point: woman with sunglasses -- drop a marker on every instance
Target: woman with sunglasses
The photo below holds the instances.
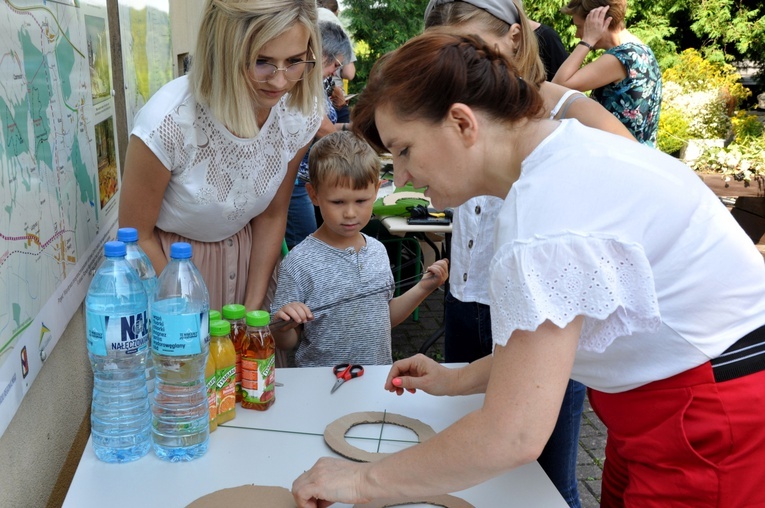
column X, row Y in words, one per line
column 614, row 265
column 213, row 156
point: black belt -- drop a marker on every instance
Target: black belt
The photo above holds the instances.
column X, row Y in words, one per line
column 745, row 356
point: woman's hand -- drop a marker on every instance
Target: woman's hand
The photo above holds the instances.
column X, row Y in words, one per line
column 595, row 25
column 419, row 372
column 329, row 481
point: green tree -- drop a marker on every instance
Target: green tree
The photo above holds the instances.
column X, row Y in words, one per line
column 379, row 27
column 722, row 30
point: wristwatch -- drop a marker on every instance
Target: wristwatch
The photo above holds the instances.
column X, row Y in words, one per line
column 586, row 44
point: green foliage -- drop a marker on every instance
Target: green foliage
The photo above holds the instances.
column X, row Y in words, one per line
column 730, row 23
column 703, row 94
column 694, row 73
column 705, row 111
column 381, row 26
column 742, row 161
column 673, row 131
column 746, row 125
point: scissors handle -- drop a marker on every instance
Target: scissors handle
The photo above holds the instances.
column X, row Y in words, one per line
column 348, row 371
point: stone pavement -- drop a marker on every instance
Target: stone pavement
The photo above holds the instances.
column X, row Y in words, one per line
column 408, row 338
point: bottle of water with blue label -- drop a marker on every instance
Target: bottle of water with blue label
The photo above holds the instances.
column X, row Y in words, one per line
column 180, row 344
column 140, row 261
column 115, row 313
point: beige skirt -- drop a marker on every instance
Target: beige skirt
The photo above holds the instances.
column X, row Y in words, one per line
column 224, row 266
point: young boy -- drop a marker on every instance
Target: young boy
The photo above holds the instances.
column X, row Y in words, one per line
column 339, row 262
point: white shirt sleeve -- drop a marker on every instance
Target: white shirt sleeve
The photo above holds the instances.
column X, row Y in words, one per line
column 559, row 277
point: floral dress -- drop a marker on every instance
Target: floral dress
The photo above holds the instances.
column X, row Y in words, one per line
column 635, row 100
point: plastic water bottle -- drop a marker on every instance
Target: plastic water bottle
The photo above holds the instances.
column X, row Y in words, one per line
column 140, row 261
column 180, row 344
column 115, row 314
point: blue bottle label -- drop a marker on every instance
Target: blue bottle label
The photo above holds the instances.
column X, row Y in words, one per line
column 179, row 334
column 127, row 334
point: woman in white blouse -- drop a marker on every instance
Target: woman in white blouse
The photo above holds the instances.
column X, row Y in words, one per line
column 213, row 156
column 614, row 265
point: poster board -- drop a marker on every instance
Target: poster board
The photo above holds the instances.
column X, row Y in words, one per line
column 59, row 173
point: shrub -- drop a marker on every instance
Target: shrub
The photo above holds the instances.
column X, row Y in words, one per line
column 705, row 94
column 746, row 125
column 695, row 74
column 673, row 131
column 743, row 161
column 706, row 112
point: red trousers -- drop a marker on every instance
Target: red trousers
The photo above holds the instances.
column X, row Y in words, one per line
column 685, row 441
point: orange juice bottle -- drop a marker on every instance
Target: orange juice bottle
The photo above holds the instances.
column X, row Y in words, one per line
column 210, row 381
column 258, row 362
column 212, row 392
column 234, row 314
column 222, row 351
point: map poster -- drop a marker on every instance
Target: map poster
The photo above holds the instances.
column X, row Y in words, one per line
column 56, row 155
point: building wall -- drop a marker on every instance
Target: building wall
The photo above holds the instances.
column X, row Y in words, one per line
column 42, row 446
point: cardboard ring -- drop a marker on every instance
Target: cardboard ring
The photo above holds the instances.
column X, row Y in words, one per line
column 445, row 501
column 334, row 434
column 249, row 495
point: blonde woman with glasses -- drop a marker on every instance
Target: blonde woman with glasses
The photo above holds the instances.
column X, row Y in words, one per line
column 213, row 155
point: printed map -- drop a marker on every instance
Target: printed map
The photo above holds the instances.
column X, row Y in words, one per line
column 49, row 186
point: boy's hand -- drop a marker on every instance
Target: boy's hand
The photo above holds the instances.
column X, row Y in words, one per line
column 294, row 314
column 435, row 275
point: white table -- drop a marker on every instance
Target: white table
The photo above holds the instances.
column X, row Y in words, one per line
column 274, row 447
column 398, row 225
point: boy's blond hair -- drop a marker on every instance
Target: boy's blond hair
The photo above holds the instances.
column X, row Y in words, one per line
column 231, row 35
column 343, row 159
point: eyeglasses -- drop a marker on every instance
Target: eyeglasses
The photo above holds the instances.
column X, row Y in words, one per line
column 263, row 72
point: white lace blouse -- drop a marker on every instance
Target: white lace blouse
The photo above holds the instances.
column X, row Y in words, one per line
column 219, row 182
column 631, row 239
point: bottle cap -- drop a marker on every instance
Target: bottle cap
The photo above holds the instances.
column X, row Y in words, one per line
column 233, row 311
column 114, row 249
column 214, row 315
column 219, row 328
column 127, row 234
column 258, row 318
column 180, row 250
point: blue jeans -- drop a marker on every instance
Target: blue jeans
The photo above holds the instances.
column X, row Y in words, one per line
column 301, row 220
column 467, row 338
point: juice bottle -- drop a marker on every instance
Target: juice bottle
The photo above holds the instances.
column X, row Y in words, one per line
column 258, row 361
column 234, row 314
column 222, row 351
column 210, row 381
column 212, row 393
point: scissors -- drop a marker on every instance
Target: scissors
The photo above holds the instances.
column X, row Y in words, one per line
column 346, row 372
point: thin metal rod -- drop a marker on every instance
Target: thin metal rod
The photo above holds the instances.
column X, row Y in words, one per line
column 278, row 323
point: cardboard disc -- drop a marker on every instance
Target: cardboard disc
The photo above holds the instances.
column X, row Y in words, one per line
column 252, row 496
column 445, row 501
column 334, row 434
